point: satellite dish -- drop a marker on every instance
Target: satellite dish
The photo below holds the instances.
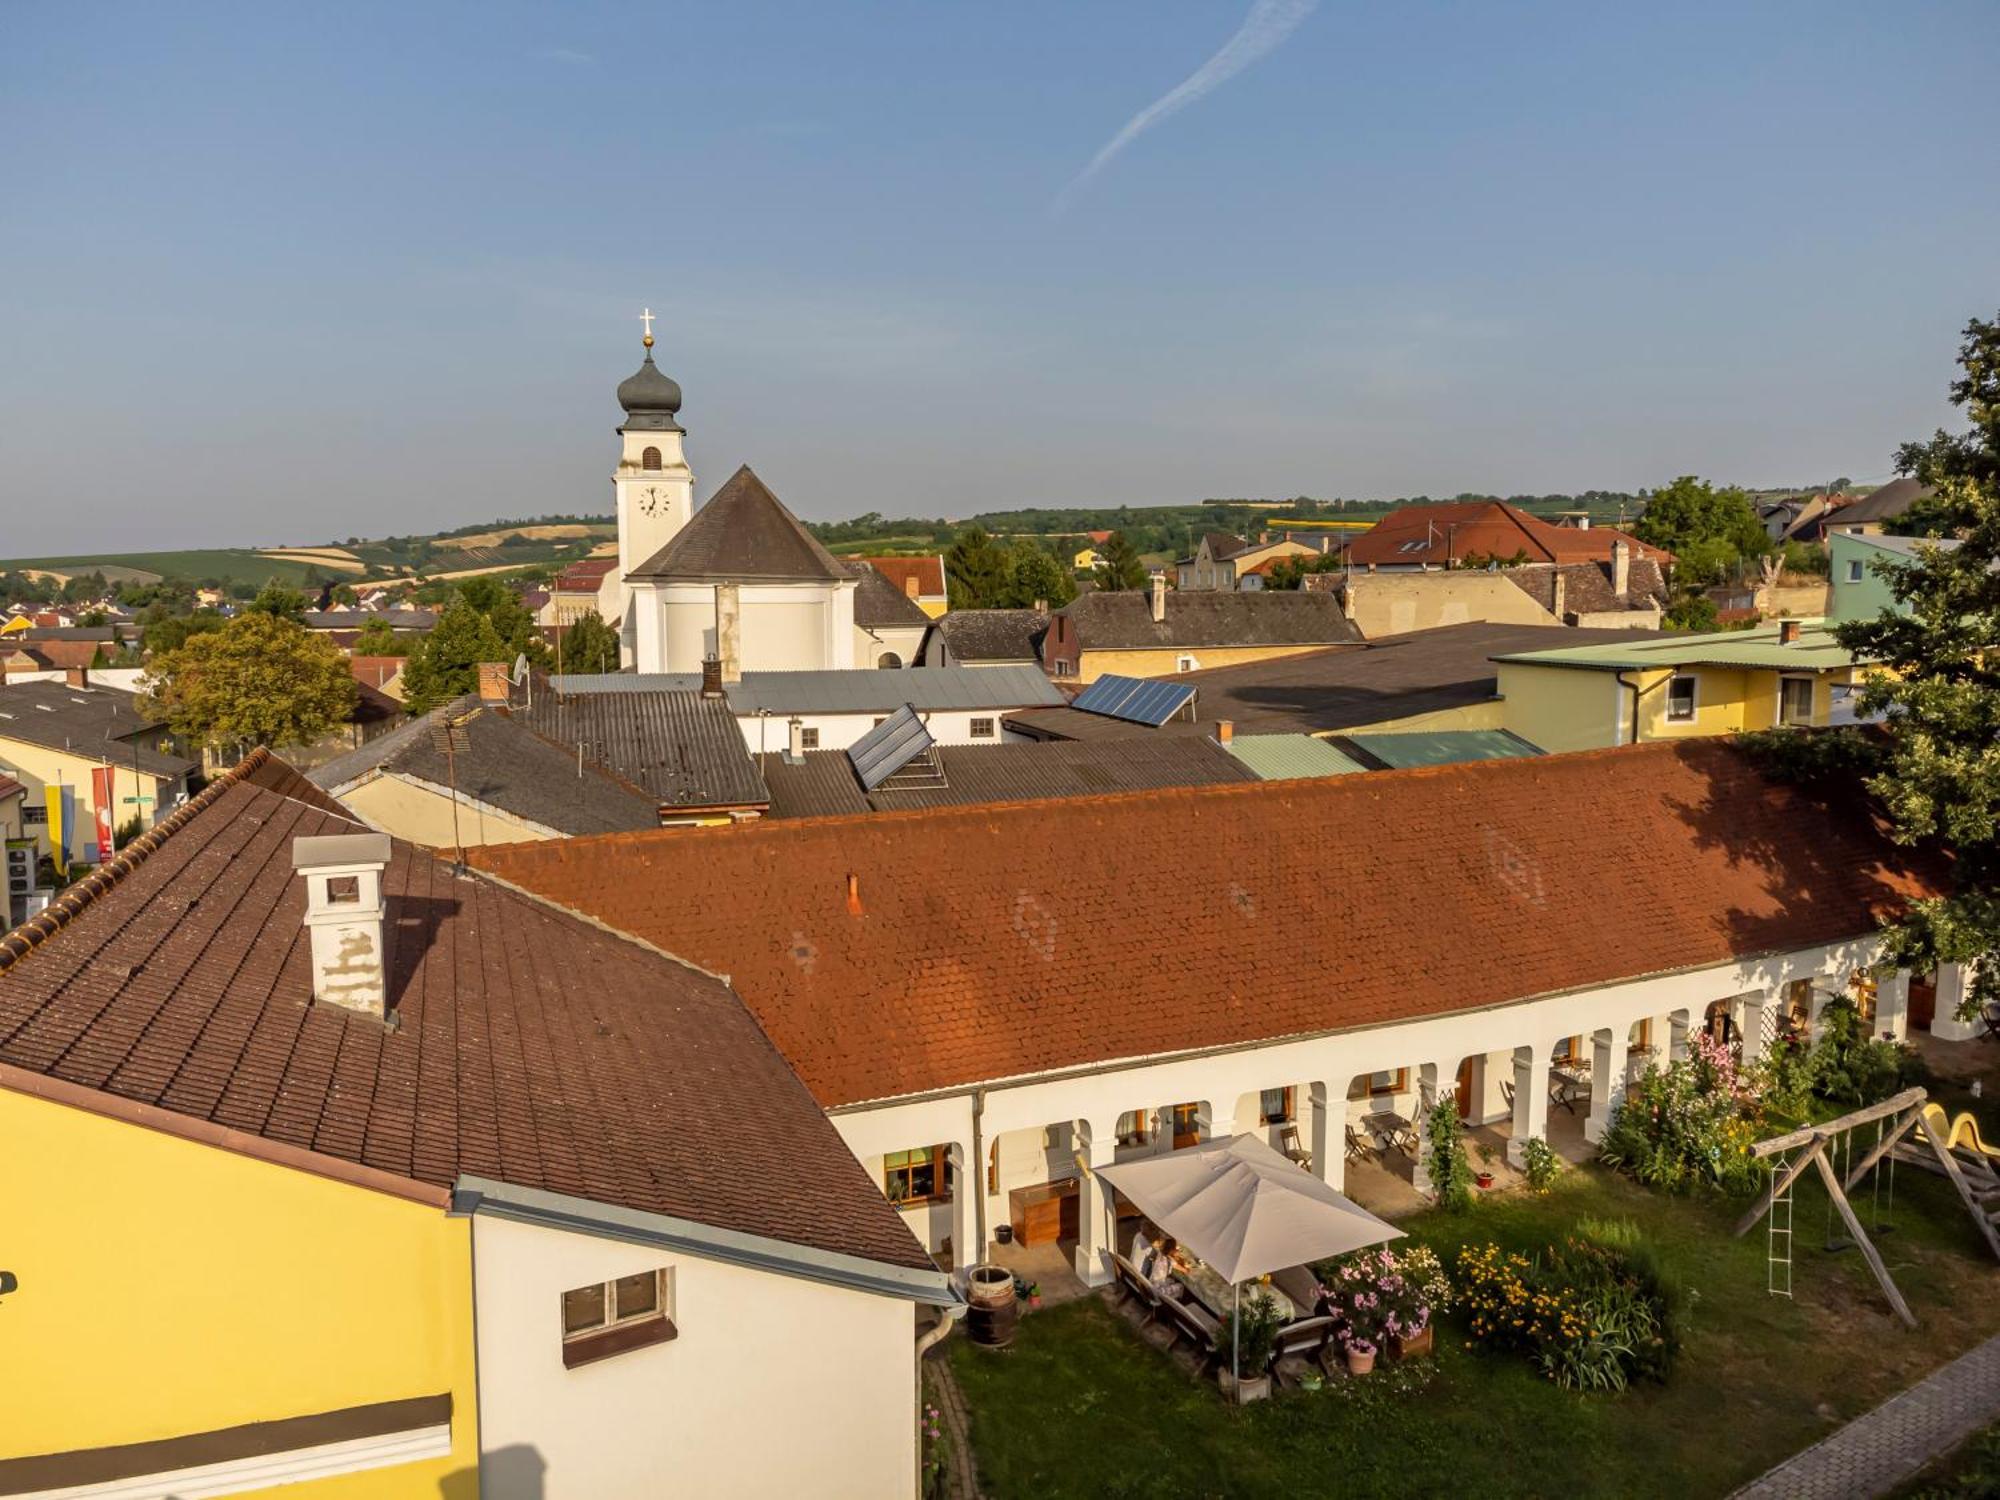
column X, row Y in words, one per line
column 520, row 673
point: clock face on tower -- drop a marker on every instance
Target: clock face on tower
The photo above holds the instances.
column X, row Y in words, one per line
column 651, row 499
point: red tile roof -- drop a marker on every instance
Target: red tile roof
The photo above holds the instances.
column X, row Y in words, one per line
column 531, row 1048
column 9, row 787
column 1483, row 528
column 1012, row 939
column 927, row 571
column 584, row 577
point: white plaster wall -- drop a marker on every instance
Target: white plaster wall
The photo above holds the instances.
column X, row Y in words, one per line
column 1232, row 1078
column 776, row 1386
column 785, row 627
column 838, row 731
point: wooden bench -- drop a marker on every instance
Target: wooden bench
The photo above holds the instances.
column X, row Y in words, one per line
column 1194, row 1325
column 1136, row 1286
column 1306, row 1339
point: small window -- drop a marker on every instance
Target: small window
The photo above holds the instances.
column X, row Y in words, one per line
column 1185, row 1121
column 1795, row 700
column 1680, row 700
column 1421, row 544
column 1185, row 664
column 650, row 459
column 1854, row 571
column 889, row 661
column 1134, row 1127
column 1274, row 1106
column 610, row 1317
column 809, row 739
column 343, row 890
column 914, row 1176
column 1377, row 1085
column 982, row 729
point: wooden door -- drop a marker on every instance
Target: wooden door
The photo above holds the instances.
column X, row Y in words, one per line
column 1465, row 1089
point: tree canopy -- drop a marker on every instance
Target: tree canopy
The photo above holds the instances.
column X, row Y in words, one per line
column 1932, row 761
column 1121, row 569
column 484, row 621
column 975, row 570
column 1707, row 529
column 261, row 679
column 588, row 645
column 377, row 638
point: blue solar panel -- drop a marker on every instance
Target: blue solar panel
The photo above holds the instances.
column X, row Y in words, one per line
column 888, row 747
column 1137, row 700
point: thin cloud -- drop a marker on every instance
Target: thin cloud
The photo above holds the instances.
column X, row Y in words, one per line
column 1262, row 32
column 568, row 55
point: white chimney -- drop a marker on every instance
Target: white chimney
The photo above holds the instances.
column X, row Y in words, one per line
column 1621, row 568
column 729, row 631
column 795, row 741
column 1558, row 593
column 344, row 909
column 1159, row 597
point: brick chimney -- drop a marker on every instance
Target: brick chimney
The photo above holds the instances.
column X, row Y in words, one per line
column 77, row 676
column 911, row 587
column 1788, row 632
column 711, row 677
column 729, row 631
column 1159, row 597
column 493, row 684
column 1225, row 731
column 1621, row 567
column 344, row 911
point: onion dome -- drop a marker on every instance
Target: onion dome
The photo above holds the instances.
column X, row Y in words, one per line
column 650, row 398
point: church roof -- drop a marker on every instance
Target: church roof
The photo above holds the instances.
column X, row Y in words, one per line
column 743, row 532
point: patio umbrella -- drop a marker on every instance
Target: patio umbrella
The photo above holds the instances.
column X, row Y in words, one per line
column 1246, row 1210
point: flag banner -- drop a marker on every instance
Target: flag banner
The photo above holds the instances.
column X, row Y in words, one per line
column 59, row 803
column 104, row 792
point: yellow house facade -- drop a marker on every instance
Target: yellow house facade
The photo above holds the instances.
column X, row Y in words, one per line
column 1678, row 686
column 189, row 1311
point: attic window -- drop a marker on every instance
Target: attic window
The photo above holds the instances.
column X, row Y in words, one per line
column 1419, row 545
column 982, row 729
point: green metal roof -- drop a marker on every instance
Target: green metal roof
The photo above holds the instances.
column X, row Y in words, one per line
column 1445, row 747
column 1291, row 757
column 1815, row 651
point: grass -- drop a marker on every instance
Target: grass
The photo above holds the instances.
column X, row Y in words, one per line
column 1082, row 1406
column 229, row 564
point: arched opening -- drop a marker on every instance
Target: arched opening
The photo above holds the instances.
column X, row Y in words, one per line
column 650, row 459
column 889, row 659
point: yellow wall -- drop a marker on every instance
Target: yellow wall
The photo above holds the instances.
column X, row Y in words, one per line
column 1165, row 663
column 1396, row 603
column 1485, row 715
column 169, row 1288
column 1561, row 708
column 35, row 766
column 1570, row 708
column 933, row 605
column 408, row 811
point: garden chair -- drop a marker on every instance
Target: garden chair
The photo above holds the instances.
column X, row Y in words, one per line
column 1290, row 1144
column 1359, row 1148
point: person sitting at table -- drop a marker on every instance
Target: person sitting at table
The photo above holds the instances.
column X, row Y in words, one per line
column 1156, row 1264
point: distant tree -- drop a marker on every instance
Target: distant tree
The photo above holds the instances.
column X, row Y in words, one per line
column 260, row 680
column 278, row 598
column 446, row 665
column 1120, row 569
column 1704, row 527
column 376, row 638
column 93, row 618
column 344, row 594
column 1291, row 572
column 975, row 570
column 588, row 645
column 1035, row 576
column 1691, row 610
column 170, row 632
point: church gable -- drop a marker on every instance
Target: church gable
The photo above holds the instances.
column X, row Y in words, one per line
column 744, row 532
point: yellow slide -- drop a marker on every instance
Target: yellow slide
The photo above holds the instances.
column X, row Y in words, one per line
column 1962, row 1132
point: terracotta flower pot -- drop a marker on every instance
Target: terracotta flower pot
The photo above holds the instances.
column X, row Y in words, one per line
column 1359, row 1363
column 1484, row 1179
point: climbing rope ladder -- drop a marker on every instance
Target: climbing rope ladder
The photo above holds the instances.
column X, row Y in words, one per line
column 1778, row 1237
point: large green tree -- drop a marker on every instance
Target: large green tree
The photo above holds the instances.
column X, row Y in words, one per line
column 1035, row 575
column 1935, row 760
column 975, row 570
column 588, row 645
column 1707, row 529
column 259, row 680
column 1121, row 569
column 446, row 665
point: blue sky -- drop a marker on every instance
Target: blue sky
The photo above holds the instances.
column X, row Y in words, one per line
column 283, row 273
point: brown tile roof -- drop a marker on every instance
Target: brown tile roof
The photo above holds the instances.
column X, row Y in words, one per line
column 927, row 572
column 584, row 577
column 9, row 787
column 59, row 655
column 880, row 603
column 532, row 1048
column 744, row 531
column 976, row 635
column 1123, row 620
column 1490, row 528
column 1007, row 940
column 1587, row 586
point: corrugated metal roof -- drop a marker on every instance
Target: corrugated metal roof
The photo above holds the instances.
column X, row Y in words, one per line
column 681, row 748
column 1445, row 747
column 1815, row 650
column 860, row 690
column 1290, row 757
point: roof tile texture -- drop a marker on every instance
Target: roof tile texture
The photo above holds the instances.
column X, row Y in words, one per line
column 1005, row 940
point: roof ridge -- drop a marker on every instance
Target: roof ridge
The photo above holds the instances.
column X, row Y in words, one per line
column 38, row 929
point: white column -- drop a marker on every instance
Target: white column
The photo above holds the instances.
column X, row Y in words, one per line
column 1218, row 1120
column 1607, row 1079
column 1952, row 981
column 1892, row 1005
column 1431, row 1079
column 1095, row 1229
column 965, row 1189
column 1677, row 1036
column 1329, row 1140
column 1531, row 1099
column 1815, row 1003
column 1755, row 1008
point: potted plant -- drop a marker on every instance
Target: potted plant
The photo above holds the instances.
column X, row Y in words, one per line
column 1247, row 1340
column 1487, row 1156
column 1034, row 1294
column 1360, row 1356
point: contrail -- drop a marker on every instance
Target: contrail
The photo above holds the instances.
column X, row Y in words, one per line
column 1267, row 25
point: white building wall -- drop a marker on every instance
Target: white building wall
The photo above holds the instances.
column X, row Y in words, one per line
column 775, row 1386
column 838, row 731
column 802, row 627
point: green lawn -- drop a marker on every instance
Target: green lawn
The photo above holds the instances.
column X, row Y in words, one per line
column 1080, row 1406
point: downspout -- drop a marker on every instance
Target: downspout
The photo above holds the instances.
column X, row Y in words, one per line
column 1620, row 676
column 976, row 1168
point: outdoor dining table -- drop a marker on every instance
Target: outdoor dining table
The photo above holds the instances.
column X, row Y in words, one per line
column 1568, row 1082
column 1390, row 1130
column 1219, row 1297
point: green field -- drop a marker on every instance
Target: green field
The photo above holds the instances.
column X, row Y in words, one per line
column 225, row 564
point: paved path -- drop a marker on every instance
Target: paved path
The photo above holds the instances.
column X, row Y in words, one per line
column 961, row 1480
column 1877, row 1451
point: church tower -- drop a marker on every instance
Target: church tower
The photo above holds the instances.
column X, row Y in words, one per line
column 653, row 485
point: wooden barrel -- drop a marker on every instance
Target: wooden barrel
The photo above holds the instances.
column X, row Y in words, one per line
column 991, row 1311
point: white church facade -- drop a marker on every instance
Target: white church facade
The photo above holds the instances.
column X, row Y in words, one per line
column 739, row 580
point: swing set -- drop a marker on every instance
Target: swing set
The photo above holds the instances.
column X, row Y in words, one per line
column 1907, row 1128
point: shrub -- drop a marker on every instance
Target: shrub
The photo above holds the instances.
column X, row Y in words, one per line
column 1848, row 1065
column 1451, row 1173
column 1383, row 1293
column 1686, row 1128
column 1539, row 1164
column 1252, row 1332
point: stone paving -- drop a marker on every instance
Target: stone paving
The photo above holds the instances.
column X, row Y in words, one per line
column 941, row 1389
column 1884, row 1448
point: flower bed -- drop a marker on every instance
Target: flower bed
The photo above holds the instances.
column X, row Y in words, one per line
column 1593, row 1313
column 1383, row 1294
